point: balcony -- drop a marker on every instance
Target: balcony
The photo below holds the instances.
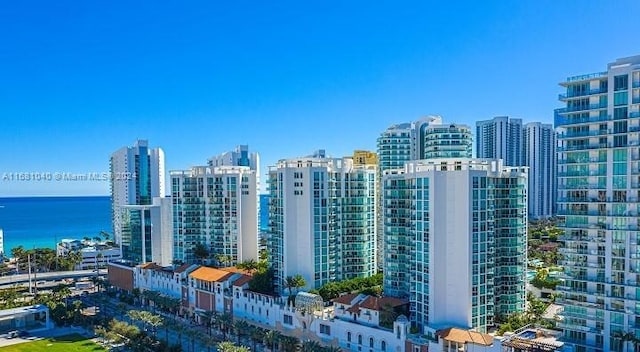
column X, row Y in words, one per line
column 586, row 77
column 584, row 147
column 570, row 120
column 565, row 96
column 578, row 134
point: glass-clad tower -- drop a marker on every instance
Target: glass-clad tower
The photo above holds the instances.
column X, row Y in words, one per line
column 140, row 212
column 599, row 188
column 455, row 239
column 322, row 214
column 447, row 141
column 215, row 207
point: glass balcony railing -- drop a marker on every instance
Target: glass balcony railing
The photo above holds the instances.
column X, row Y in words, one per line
column 584, row 134
column 570, row 120
column 565, row 96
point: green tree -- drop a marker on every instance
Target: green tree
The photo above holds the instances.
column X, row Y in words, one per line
column 201, row 252
column 272, row 339
column 289, row 343
column 311, row 346
column 248, row 266
column 240, row 328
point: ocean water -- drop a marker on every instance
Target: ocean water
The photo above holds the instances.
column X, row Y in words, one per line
column 35, row 222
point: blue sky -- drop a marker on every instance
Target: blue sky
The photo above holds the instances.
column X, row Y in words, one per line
column 81, row 79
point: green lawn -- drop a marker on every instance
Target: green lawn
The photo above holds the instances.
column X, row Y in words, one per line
column 68, row 343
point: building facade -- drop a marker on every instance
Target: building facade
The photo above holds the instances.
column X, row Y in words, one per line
column 500, row 138
column 141, row 215
column 322, row 217
column 532, row 145
column 217, row 207
column 599, row 188
column 456, row 225
column 539, row 155
column 447, row 141
column 94, row 254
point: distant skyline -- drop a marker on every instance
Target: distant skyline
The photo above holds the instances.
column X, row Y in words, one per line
column 82, row 79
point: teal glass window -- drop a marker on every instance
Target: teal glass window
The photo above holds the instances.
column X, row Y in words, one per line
column 620, row 98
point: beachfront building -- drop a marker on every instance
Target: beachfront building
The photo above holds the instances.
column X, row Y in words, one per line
column 456, row 225
column 141, row 214
column 599, row 188
column 215, row 207
column 322, row 218
column 94, row 254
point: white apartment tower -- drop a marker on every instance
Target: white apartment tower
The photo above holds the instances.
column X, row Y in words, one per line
column 215, row 206
column 322, row 219
column 598, row 197
column 140, row 212
column 455, row 240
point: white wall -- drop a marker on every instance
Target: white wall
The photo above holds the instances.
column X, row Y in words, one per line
column 450, row 249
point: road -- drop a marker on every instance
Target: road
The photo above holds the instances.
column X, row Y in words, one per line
column 54, row 275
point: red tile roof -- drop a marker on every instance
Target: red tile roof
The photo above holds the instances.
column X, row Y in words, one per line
column 465, row 336
column 242, row 280
column 182, row 268
column 210, row 274
column 345, row 299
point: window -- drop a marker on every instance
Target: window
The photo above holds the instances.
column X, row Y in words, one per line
column 348, row 336
column 288, row 319
column 359, row 339
column 371, row 342
column 325, row 329
column 383, row 346
column 620, row 82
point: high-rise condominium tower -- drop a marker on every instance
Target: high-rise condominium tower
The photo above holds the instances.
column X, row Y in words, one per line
column 426, row 138
column 539, row 155
column 322, row 218
column 599, row 188
column 141, row 214
column 500, row 138
column 215, row 207
column 532, row 145
column 455, row 240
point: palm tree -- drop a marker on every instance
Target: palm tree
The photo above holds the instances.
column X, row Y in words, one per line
column 192, row 334
column 201, row 252
column 207, row 318
column 331, row 349
column 272, row 338
column 226, row 347
column 180, row 329
column 18, row 253
column 248, row 266
column 294, row 282
column 256, row 334
column 240, row 327
column 289, row 343
column 311, row 346
column 224, row 320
